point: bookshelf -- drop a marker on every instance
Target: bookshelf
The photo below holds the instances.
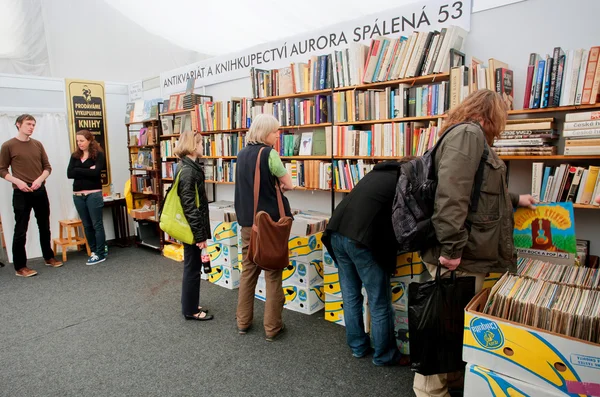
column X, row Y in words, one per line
column 145, row 179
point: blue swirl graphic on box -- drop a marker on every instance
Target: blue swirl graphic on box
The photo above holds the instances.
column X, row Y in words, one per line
column 487, row 333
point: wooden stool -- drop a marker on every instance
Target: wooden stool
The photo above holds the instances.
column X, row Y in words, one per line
column 75, row 237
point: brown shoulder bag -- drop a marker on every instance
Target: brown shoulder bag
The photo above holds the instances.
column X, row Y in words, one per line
column 269, row 240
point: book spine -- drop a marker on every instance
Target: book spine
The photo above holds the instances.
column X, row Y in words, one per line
column 536, row 180
column 530, row 69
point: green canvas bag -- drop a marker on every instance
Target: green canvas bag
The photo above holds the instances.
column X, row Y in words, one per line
column 173, row 220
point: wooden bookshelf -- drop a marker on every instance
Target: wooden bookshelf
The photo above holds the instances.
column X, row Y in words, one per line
column 220, row 157
column 397, row 120
column 142, row 147
column 141, row 122
column 586, row 206
column 555, row 109
column 367, row 157
column 411, row 81
column 283, row 158
column 169, row 136
column 223, row 131
column 176, row 112
column 553, row 157
column 143, row 169
column 220, row 182
column 297, row 127
column 295, row 95
column 167, row 180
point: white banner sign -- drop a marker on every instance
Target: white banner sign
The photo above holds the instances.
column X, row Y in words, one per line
column 402, row 21
column 135, row 91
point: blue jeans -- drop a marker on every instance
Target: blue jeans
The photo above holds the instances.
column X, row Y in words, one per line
column 357, row 266
column 89, row 208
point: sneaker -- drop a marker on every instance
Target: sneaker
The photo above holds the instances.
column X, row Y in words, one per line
column 277, row 335
column 25, row 272
column 243, row 331
column 53, row 263
column 94, row 259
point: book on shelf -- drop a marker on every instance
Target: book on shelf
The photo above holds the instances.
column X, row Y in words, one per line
column 310, row 174
column 347, row 173
column 167, row 147
column 167, row 126
column 220, row 170
column 222, row 144
column 143, row 159
column 169, row 169
column 385, row 140
column 143, row 184
column 298, row 111
column 563, row 78
column 582, row 134
column 564, row 183
column 527, row 137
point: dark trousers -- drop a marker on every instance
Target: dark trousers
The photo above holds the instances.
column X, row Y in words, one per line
column 23, row 202
column 89, row 208
column 190, row 286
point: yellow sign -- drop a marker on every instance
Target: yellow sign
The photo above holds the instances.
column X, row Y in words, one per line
column 87, row 111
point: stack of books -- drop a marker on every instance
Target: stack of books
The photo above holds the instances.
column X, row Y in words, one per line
column 582, row 134
column 532, row 137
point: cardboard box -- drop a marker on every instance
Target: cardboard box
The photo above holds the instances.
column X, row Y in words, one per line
column 399, row 287
column 142, row 214
column 239, row 245
column 554, row 362
column 302, row 274
column 491, row 279
column 222, row 211
column 327, row 259
column 304, row 300
column 224, row 232
column 225, row 276
column 223, row 255
column 174, row 252
column 334, row 309
column 331, row 281
column 306, row 248
column 404, row 268
column 481, row 382
column 260, row 292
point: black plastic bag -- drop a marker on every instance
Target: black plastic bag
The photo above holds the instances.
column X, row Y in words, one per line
column 436, row 323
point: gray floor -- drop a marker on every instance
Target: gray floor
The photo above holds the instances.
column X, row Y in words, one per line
column 115, row 329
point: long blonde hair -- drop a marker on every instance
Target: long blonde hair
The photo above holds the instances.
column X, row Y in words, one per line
column 262, row 125
column 188, row 142
column 483, row 106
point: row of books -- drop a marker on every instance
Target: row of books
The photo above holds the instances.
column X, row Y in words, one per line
column 310, row 174
column 142, row 110
column 562, row 308
column 143, row 159
column 167, row 147
column 389, row 103
column 346, row 173
column 297, row 111
column 220, row 170
column 146, row 136
column 581, row 276
column 306, row 143
column 386, row 59
column 219, row 116
column 226, row 144
column 169, row 169
column 421, row 54
column 562, row 79
column 177, row 125
column 143, row 184
column 384, row 140
column 565, row 183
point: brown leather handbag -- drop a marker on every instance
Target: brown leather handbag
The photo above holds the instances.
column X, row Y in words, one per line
column 269, row 240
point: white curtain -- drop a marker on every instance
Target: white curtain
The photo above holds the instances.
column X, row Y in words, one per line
column 52, row 131
column 23, row 48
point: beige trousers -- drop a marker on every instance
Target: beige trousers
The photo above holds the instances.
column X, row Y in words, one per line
column 437, row 385
column 249, row 278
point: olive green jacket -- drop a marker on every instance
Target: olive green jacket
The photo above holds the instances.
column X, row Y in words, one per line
column 483, row 239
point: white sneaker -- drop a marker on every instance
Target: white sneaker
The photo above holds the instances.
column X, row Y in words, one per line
column 94, row 259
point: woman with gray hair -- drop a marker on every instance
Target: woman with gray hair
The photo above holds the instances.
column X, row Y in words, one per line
column 263, row 133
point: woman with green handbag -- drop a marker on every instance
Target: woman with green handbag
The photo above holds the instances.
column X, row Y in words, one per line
column 194, row 203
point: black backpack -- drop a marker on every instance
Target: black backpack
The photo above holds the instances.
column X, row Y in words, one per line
column 415, row 194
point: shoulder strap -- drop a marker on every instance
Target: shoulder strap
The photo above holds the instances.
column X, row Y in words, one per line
column 257, row 189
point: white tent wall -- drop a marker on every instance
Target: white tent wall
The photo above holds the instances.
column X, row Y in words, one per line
column 25, row 94
column 509, row 33
column 91, row 40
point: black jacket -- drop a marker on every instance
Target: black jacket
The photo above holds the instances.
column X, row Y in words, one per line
column 191, row 178
column 84, row 177
column 365, row 215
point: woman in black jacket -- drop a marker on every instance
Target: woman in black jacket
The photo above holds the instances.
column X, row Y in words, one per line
column 191, row 185
column 85, row 167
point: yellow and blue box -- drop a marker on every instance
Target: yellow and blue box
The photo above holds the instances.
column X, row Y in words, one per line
column 399, row 286
column 306, row 248
column 222, row 254
column 303, row 274
column 331, row 281
column 482, row 382
column 410, row 264
column 307, row 300
column 491, row 279
column 334, row 310
column 225, row 276
column 327, row 259
column 224, row 232
column 556, row 363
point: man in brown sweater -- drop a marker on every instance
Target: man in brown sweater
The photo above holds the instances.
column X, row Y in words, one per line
column 29, row 168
